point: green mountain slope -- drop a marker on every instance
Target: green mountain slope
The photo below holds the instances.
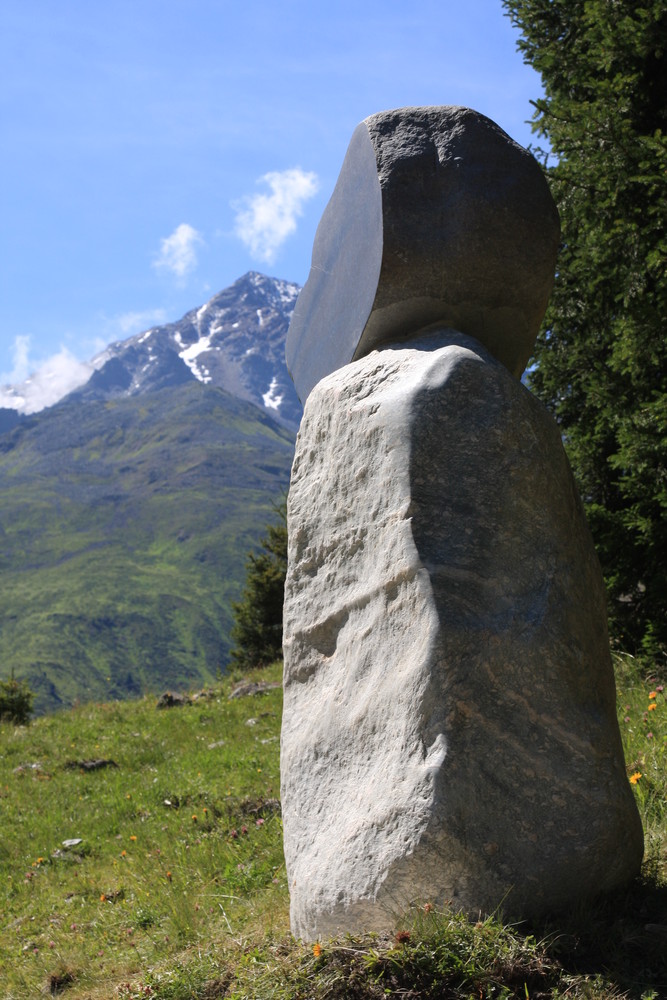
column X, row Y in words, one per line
column 124, row 529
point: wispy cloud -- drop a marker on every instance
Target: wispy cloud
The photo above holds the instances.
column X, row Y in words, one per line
column 130, row 323
column 119, row 327
column 20, row 362
column 264, row 221
column 52, row 379
column 178, row 252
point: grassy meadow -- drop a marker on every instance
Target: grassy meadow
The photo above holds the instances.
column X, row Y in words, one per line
column 141, row 856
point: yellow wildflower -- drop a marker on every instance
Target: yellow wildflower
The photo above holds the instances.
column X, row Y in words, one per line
column 634, row 778
column 317, row 949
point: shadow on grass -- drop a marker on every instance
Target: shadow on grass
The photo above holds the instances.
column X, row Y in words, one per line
column 622, row 937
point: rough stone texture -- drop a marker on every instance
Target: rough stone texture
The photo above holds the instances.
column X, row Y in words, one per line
column 437, row 217
column 449, row 728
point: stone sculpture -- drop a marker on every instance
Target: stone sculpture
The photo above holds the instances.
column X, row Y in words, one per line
column 437, row 217
column 449, row 729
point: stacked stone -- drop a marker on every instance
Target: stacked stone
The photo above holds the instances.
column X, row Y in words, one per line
column 449, row 729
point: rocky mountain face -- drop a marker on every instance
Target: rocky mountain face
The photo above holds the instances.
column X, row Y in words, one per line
column 128, row 509
column 236, row 342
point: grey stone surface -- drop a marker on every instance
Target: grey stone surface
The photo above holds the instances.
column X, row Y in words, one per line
column 449, row 729
column 438, row 217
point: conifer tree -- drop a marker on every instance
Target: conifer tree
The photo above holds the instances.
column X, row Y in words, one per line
column 257, row 632
column 16, row 700
column 601, row 358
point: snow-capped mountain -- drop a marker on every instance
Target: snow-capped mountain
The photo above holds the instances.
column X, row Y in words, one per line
column 152, row 499
column 236, row 342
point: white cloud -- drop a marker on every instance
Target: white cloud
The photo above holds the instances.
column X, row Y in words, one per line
column 178, row 252
column 48, row 383
column 264, row 221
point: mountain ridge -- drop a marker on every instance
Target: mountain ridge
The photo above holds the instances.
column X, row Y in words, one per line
column 235, row 341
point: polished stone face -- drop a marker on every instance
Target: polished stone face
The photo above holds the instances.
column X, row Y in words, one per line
column 336, row 301
column 438, row 217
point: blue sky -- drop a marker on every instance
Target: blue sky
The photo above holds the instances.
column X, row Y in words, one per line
column 156, row 150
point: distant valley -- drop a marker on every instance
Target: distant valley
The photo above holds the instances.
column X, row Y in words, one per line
column 127, row 509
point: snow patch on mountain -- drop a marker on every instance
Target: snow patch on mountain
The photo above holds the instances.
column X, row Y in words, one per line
column 190, row 355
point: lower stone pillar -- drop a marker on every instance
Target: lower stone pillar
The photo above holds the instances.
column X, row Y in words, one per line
column 449, row 730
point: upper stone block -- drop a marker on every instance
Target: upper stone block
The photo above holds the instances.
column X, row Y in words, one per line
column 437, row 217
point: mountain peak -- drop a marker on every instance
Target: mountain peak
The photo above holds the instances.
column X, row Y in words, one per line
column 235, row 341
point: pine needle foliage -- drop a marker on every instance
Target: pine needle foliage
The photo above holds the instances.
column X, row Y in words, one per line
column 257, row 632
column 601, row 358
column 16, row 699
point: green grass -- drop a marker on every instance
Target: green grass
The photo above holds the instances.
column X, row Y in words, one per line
column 643, row 722
column 154, row 902
column 177, row 836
